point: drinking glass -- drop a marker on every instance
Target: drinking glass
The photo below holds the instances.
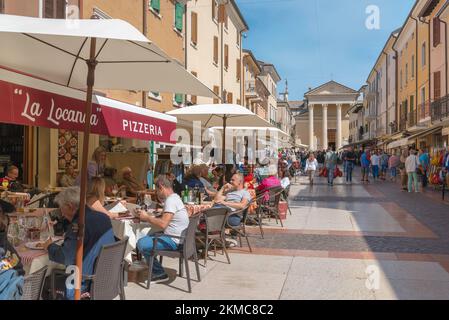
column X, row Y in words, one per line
column 115, row 190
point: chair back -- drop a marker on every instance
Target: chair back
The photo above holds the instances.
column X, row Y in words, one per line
column 33, row 283
column 275, row 195
column 108, row 271
column 189, row 244
column 215, row 219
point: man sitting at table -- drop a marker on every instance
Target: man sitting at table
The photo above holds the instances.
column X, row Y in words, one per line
column 97, row 233
column 174, row 221
column 234, row 196
column 130, row 182
column 11, row 177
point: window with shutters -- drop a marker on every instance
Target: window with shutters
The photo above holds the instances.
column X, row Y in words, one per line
column 216, row 50
column 406, row 73
column 222, row 17
column 217, row 92
column 2, row 6
column 156, row 5
column 230, row 98
column 413, row 66
column 436, row 32
column 437, row 85
column 179, row 14
column 423, row 55
column 194, row 31
column 239, row 70
column 214, row 10
column 55, row 9
column 178, row 98
column 193, row 99
column 226, row 57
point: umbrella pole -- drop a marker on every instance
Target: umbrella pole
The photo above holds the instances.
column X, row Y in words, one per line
column 223, row 156
column 91, row 64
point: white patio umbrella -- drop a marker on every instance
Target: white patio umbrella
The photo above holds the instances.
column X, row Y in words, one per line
column 220, row 115
column 109, row 54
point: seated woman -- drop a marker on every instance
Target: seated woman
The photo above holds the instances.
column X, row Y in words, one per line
column 109, row 180
column 95, row 197
column 285, row 178
column 270, row 181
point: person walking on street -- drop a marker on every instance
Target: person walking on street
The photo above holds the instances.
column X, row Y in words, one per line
column 311, row 167
column 411, row 166
column 383, row 165
column 404, row 176
column 330, row 161
column 424, row 160
column 349, row 160
column 365, row 163
column 375, row 163
column 393, row 164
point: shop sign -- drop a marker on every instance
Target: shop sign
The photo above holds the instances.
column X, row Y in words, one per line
column 33, row 107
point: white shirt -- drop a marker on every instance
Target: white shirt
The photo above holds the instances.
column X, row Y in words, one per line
column 375, row 160
column 411, row 163
column 180, row 221
column 311, row 165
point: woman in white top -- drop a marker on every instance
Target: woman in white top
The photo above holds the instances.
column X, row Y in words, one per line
column 285, row 178
column 311, row 166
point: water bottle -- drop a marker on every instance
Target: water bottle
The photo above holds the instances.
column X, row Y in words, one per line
column 185, row 195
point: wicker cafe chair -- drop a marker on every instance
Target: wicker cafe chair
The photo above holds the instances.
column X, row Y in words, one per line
column 33, row 283
column 271, row 207
column 258, row 219
column 215, row 231
column 184, row 252
column 240, row 230
column 285, row 194
column 108, row 281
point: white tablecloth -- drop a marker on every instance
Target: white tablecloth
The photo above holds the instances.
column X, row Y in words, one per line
column 134, row 231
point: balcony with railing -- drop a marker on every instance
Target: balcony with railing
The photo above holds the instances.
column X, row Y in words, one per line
column 424, row 111
column 440, row 109
column 403, row 123
column 250, row 88
column 411, row 119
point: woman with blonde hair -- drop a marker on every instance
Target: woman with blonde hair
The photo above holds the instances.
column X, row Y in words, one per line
column 95, row 167
column 95, row 197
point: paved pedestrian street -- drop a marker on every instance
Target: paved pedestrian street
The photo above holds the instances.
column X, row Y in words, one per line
column 343, row 242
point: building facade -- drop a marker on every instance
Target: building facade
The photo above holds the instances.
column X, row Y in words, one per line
column 213, row 43
column 255, row 92
column 270, row 78
column 324, row 123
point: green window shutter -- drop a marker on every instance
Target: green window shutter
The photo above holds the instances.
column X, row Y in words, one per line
column 156, row 5
column 178, row 98
column 155, row 93
column 179, row 13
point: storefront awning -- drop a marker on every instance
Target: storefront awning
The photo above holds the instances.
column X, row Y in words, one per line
column 29, row 101
column 424, row 133
column 398, row 143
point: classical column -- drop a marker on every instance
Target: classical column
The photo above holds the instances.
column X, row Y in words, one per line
column 325, row 142
column 338, row 142
column 311, row 131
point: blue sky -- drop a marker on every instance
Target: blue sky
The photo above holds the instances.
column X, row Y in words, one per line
column 310, row 41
